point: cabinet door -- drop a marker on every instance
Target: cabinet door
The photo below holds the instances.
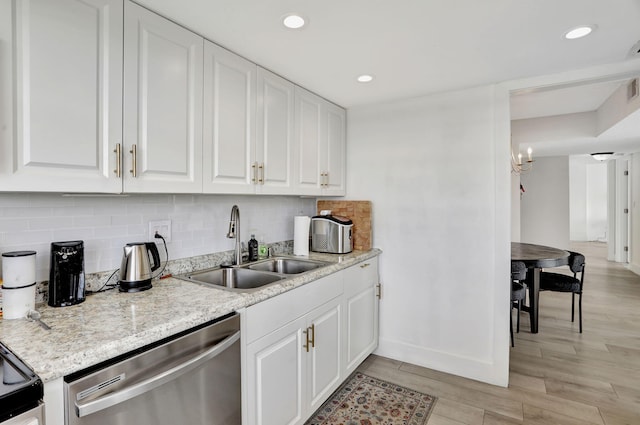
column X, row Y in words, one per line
column 276, row 365
column 334, row 153
column 361, row 313
column 163, row 104
column 325, row 353
column 229, row 113
column 309, row 137
column 274, row 134
column 61, row 101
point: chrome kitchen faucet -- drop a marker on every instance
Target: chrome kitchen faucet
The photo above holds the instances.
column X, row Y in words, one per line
column 234, row 232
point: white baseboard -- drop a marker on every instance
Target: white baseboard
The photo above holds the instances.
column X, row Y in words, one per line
column 445, row 362
column 634, row 268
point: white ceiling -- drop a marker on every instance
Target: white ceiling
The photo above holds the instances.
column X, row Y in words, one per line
column 561, row 100
column 553, row 108
column 418, row 47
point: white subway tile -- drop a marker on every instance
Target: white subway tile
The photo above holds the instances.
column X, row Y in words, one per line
column 13, row 224
column 52, row 223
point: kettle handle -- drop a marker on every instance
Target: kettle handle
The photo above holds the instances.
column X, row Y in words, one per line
column 153, row 249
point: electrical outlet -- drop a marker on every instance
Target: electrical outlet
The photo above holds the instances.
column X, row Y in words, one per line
column 162, row 227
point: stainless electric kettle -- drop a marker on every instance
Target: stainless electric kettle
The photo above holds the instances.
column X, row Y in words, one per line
column 135, row 269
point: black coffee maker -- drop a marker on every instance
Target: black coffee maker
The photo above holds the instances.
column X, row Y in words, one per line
column 66, row 275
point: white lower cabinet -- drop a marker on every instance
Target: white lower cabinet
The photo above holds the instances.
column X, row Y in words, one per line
column 301, row 345
column 361, row 295
column 293, row 369
column 292, row 357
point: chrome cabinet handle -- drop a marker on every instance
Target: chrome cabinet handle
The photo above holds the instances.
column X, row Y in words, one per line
column 118, row 169
column 134, row 160
column 379, row 290
column 155, row 381
column 261, row 173
column 364, row 266
column 253, row 172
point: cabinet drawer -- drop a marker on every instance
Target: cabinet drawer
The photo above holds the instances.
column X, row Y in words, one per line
column 357, row 278
column 269, row 315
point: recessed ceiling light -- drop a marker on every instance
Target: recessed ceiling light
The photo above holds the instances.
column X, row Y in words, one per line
column 293, row 21
column 365, row 78
column 579, row 32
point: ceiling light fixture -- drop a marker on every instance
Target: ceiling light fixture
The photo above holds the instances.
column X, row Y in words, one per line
column 579, row 32
column 602, row 156
column 365, row 78
column 293, row 21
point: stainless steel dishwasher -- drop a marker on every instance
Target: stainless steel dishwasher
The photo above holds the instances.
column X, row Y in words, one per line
column 191, row 379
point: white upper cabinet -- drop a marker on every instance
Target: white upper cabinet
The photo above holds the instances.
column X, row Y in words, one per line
column 334, row 166
column 61, row 102
column 274, row 134
column 163, row 65
column 229, row 122
column 106, row 96
column 320, row 146
column 309, row 136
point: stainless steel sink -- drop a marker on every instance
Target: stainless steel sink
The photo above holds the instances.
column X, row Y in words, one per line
column 239, row 279
column 286, row 265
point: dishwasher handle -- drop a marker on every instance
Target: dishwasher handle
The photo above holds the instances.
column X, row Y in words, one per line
column 146, row 385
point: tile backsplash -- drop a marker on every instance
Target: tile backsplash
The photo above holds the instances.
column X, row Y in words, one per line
column 31, row 221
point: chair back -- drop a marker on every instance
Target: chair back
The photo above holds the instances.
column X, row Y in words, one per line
column 518, row 270
column 576, row 262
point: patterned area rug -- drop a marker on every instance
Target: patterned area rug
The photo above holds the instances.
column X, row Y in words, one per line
column 363, row 400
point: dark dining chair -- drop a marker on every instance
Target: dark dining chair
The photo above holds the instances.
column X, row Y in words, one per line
column 559, row 282
column 518, row 292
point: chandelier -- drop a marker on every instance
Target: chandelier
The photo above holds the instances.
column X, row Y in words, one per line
column 517, row 166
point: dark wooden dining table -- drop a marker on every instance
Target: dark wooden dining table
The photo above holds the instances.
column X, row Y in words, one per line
column 536, row 257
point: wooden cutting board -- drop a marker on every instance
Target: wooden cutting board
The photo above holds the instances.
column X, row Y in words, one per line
column 360, row 213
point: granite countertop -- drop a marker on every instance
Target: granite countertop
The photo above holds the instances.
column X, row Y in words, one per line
column 111, row 323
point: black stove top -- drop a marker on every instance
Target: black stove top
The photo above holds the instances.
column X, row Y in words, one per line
column 20, row 388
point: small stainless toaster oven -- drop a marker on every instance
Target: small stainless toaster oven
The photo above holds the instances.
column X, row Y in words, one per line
column 331, row 234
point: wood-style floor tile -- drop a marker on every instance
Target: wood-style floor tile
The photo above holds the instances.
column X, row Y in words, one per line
column 540, row 416
column 459, row 412
column 526, row 382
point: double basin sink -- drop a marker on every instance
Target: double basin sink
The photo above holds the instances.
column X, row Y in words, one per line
column 252, row 276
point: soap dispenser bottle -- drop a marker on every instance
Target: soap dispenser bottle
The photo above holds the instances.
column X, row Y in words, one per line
column 262, row 249
column 253, row 248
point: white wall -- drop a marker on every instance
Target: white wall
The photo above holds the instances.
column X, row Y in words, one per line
column 578, row 198
column 588, row 199
column 199, row 223
column 634, row 247
column 515, row 207
column 437, row 171
column 597, row 202
column 544, row 209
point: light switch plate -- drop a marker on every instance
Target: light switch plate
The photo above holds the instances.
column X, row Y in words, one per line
column 163, row 227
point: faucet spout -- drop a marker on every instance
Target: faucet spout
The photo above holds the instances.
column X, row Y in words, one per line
column 234, row 232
